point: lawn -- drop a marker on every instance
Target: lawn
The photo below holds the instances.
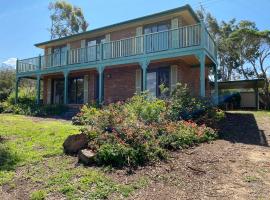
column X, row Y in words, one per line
column 31, row 157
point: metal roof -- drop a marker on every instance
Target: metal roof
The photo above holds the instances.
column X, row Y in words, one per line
column 241, row 84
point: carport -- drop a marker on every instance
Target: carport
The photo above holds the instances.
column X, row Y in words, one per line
column 248, row 89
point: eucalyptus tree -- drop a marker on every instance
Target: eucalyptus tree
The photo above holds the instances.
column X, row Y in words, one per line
column 66, row 19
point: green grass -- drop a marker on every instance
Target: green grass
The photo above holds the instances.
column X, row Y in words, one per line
column 36, row 147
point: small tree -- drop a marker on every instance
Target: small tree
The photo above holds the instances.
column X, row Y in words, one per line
column 66, row 19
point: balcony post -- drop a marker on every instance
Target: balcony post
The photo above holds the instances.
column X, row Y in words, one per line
column 101, row 84
column 67, row 56
column 202, row 74
column 144, row 65
column 39, row 62
column 17, row 66
column 66, row 87
column 38, row 90
column 216, row 97
column 202, row 34
column 17, row 89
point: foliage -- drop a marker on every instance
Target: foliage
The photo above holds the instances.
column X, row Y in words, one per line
column 27, row 106
column 243, row 51
column 85, row 116
column 178, row 135
column 142, row 129
column 66, row 19
column 7, row 80
column 183, row 106
column 38, row 195
column 37, row 149
column 146, row 109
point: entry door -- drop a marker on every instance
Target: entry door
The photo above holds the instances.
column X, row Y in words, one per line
column 157, row 77
column 152, row 83
column 58, row 91
column 163, row 79
column 75, row 90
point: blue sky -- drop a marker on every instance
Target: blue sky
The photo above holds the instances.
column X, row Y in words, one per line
column 25, row 22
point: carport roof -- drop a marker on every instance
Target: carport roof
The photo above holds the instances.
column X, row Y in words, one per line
column 241, row 84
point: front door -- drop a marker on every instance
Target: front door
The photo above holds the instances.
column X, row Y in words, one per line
column 58, row 91
column 156, row 78
column 75, row 90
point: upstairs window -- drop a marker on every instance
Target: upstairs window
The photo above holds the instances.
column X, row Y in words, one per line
column 157, row 37
column 93, row 51
column 59, row 55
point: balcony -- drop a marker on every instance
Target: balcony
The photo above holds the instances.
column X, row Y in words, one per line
column 193, row 37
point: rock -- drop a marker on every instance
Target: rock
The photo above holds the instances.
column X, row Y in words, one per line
column 86, row 157
column 74, row 143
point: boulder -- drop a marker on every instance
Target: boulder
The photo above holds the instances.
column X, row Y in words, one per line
column 86, row 156
column 74, row 143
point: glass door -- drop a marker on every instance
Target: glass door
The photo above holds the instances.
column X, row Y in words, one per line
column 157, row 37
column 93, row 49
column 59, row 56
column 163, row 79
column 152, row 83
column 58, row 91
column 76, row 90
column 156, row 78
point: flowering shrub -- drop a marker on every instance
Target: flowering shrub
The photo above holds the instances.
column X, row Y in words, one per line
column 182, row 134
column 143, row 129
column 85, row 116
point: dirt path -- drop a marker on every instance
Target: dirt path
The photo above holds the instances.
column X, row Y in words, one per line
column 234, row 167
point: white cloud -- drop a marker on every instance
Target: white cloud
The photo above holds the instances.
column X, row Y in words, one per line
column 10, row 62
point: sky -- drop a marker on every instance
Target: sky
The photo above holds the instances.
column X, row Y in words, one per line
column 26, row 22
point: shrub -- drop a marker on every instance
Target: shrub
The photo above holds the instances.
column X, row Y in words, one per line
column 144, row 128
column 27, row 106
column 183, row 106
column 178, row 135
column 146, row 108
column 85, row 116
column 116, row 155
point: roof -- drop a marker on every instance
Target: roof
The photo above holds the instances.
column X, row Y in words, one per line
column 167, row 12
column 241, row 84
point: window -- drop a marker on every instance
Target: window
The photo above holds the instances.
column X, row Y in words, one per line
column 59, row 56
column 75, row 90
column 157, row 77
column 157, row 41
column 93, row 51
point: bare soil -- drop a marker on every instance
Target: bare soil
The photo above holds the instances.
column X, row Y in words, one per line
column 236, row 166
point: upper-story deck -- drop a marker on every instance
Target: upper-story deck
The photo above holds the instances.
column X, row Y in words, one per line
column 169, row 34
column 183, row 40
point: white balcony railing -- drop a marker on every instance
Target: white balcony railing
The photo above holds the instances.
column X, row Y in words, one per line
column 183, row 37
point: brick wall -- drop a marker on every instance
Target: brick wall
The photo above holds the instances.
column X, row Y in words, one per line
column 119, row 83
column 126, row 33
column 191, row 76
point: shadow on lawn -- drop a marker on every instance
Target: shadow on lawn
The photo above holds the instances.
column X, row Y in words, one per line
column 242, row 128
column 8, row 159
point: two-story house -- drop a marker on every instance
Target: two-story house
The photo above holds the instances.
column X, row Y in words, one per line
column 114, row 62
